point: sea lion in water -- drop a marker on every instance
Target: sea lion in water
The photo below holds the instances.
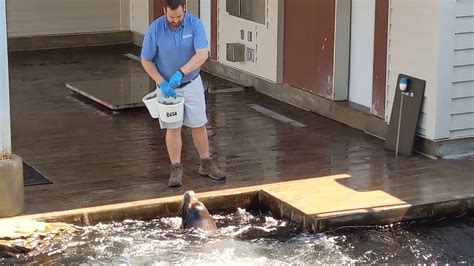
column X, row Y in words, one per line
column 195, row 215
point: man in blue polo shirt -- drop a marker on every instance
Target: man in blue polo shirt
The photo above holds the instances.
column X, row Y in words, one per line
column 174, row 48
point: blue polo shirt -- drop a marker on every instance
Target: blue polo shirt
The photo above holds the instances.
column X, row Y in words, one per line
column 170, row 48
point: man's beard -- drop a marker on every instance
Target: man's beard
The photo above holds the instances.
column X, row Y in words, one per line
column 176, row 25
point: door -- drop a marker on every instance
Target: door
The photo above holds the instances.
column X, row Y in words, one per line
column 308, row 45
column 158, row 8
column 362, row 52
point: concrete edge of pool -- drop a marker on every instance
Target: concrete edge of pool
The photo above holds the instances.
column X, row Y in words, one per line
column 318, row 204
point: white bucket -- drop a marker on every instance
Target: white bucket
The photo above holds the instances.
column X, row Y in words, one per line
column 169, row 110
column 151, row 102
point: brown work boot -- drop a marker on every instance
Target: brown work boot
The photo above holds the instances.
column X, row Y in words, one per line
column 209, row 168
column 176, row 175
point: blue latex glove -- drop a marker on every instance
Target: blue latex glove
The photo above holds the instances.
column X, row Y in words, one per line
column 175, row 80
column 166, row 89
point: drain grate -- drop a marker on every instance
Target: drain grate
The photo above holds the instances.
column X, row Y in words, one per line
column 276, row 115
column 133, row 57
column 228, row 90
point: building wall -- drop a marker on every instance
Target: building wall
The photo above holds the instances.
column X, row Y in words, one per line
column 462, row 105
column 139, row 16
column 342, row 37
column 264, row 40
column 125, row 14
column 47, row 17
column 205, row 16
column 413, row 49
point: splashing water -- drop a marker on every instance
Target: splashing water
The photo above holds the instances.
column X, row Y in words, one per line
column 259, row 239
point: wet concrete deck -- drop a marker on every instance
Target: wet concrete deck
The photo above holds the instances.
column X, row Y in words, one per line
column 96, row 156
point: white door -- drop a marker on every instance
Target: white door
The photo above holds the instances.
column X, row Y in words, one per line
column 362, row 52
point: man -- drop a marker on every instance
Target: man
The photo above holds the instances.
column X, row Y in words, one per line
column 174, row 48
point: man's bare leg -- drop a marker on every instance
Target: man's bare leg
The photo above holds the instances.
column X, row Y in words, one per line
column 174, row 144
column 201, row 141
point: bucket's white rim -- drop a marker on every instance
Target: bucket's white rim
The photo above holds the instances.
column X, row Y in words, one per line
column 153, row 94
column 149, row 96
column 178, row 96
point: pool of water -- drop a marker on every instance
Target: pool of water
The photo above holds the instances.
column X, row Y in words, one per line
column 257, row 238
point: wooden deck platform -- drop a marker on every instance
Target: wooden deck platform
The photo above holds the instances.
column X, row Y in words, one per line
column 97, row 157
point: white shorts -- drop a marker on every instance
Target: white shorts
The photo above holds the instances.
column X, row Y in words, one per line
column 194, row 106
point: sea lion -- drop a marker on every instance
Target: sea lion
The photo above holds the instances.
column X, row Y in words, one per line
column 194, row 214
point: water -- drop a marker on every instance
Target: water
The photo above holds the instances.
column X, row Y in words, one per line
column 255, row 238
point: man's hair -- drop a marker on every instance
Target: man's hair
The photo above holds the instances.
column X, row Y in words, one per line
column 174, row 4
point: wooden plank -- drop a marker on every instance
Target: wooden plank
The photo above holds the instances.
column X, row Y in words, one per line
column 326, row 195
column 97, row 157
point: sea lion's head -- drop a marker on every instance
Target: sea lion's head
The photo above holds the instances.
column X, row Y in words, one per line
column 194, row 214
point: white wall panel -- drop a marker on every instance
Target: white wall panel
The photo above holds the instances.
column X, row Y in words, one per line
column 47, row 17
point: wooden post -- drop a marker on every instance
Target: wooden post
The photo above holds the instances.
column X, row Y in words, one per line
column 5, row 130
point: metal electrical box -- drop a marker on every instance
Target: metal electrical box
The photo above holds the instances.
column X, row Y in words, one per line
column 235, row 52
column 233, row 7
column 253, row 10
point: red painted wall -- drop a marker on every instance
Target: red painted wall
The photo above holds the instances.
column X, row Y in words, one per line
column 214, row 29
column 380, row 58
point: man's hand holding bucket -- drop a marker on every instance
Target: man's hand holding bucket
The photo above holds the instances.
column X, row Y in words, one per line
column 166, row 89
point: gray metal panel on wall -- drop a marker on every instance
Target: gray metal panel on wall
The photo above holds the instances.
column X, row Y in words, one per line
column 233, row 7
column 5, row 126
column 409, row 116
column 253, row 10
column 281, row 26
column 342, row 49
column 192, row 6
